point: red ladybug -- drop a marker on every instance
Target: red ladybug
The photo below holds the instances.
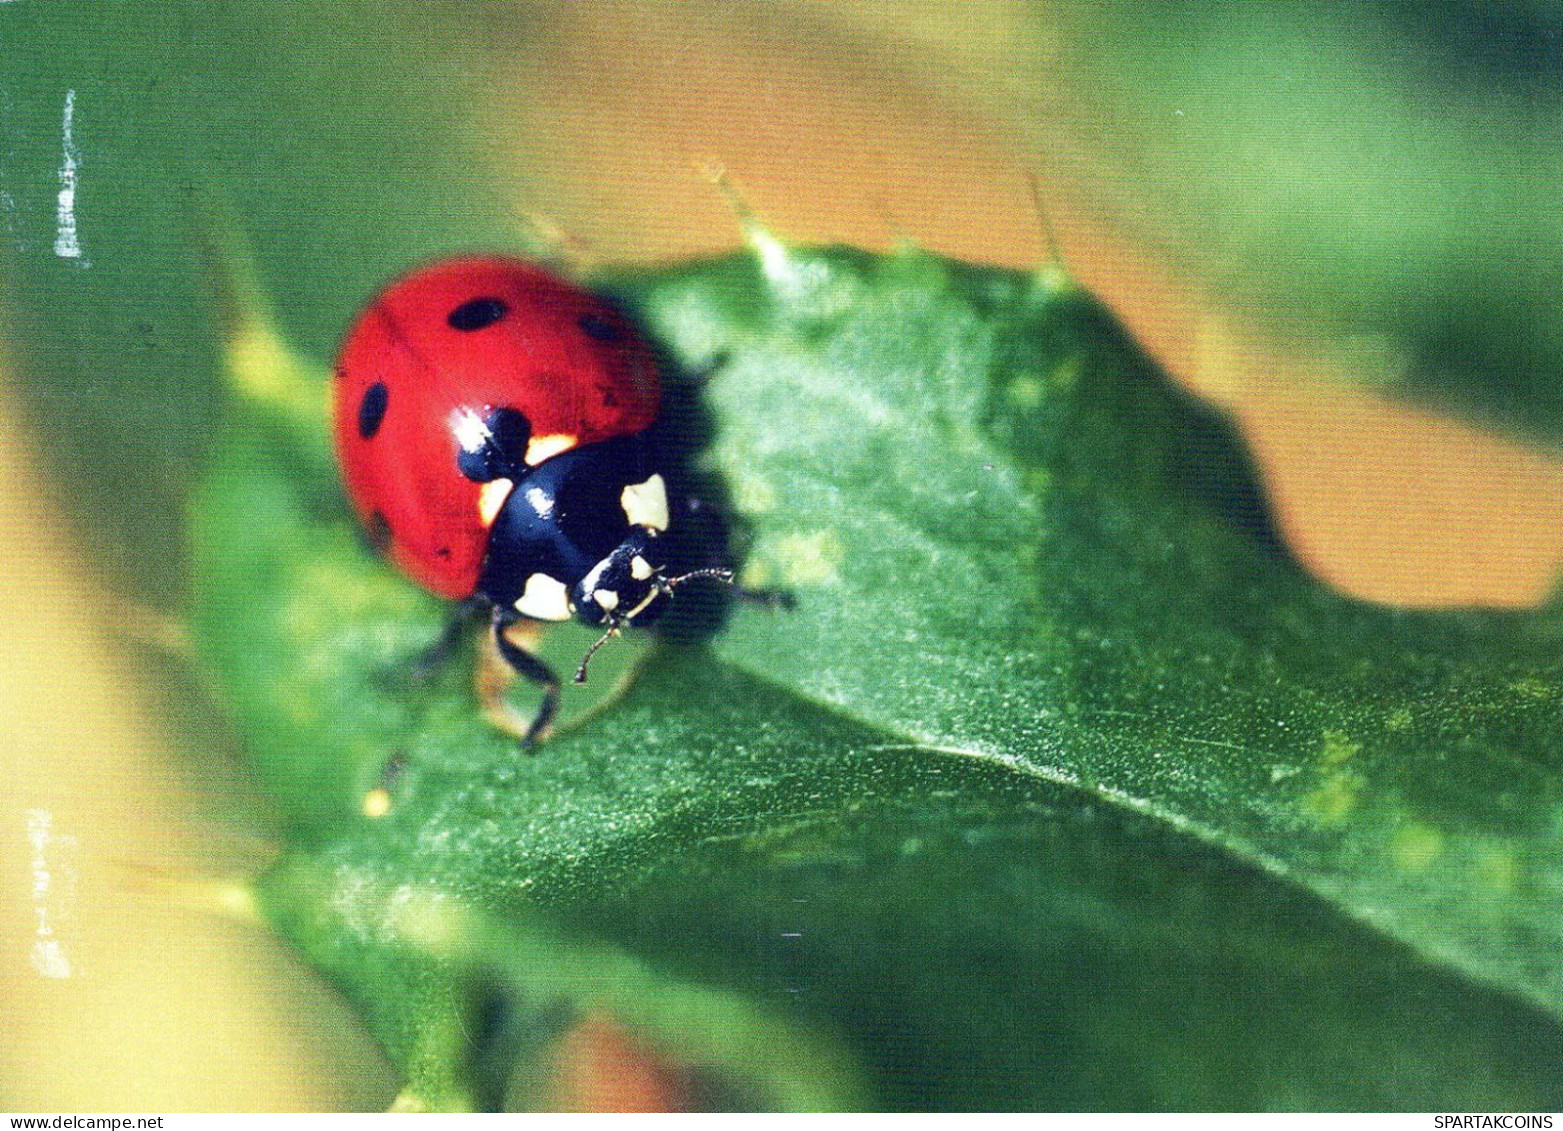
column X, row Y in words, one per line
column 491, row 424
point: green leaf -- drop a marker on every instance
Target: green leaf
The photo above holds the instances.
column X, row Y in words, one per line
column 1062, row 785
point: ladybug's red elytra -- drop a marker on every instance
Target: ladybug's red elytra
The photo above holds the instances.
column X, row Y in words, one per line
column 491, row 422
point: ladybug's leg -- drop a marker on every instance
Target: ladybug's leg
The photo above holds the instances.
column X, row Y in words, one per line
column 494, row 681
column 435, row 655
column 707, row 370
column 767, row 596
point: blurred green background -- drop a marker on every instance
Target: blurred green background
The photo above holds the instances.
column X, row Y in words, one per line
column 1338, row 220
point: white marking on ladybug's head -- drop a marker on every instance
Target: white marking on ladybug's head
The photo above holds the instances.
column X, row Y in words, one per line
column 542, row 502
column 646, row 504
column 470, row 431
column 545, row 598
column 594, row 575
column 607, row 600
column 640, row 568
column 492, row 496
column 546, row 447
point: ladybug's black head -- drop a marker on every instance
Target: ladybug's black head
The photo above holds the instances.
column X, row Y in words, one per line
column 624, row 585
column 621, row 586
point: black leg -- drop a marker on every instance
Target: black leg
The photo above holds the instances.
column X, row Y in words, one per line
column 770, row 597
column 435, row 655
column 708, row 369
column 534, row 669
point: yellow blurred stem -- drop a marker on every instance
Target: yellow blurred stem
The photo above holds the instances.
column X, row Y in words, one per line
column 118, row 994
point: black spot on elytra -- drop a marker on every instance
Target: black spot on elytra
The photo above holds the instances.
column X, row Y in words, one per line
column 371, row 410
column 512, row 431
column 598, row 328
column 442, row 552
column 379, row 528
column 477, row 313
column 503, row 453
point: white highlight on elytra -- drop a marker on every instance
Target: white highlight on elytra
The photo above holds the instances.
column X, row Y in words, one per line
column 546, row 447
column 470, row 431
column 492, row 496
column 544, row 598
column 51, row 896
column 646, row 504
column 67, row 245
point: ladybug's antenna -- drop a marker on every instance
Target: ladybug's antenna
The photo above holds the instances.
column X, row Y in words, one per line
column 660, row 586
column 720, row 574
column 580, row 672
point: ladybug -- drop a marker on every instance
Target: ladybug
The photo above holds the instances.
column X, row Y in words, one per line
column 491, row 422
